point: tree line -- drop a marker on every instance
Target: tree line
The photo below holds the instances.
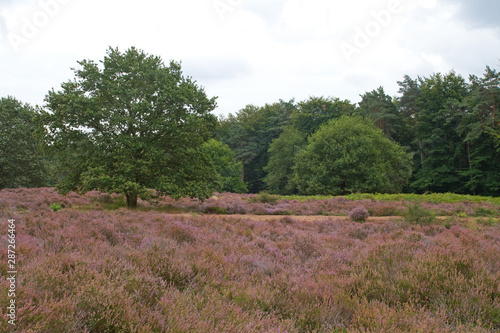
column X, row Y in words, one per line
column 131, row 123
column 450, row 126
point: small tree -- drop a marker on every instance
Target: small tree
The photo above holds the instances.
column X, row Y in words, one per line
column 129, row 125
column 21, row 161
column 348, row 155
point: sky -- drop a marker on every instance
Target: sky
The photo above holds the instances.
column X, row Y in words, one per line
column 252, row 51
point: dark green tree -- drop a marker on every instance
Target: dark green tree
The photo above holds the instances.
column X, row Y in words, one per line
column 130, row 124
column 282, row 152
column 249, row 134
column 227, row 168
column 348, row 155
column 381, row 109
column 478, row 128
column 408, row 105
column 315, row 111
column 436, row 132
column 21, row 160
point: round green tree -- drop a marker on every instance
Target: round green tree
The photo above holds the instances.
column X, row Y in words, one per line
column 349, row 155
column 130, row 124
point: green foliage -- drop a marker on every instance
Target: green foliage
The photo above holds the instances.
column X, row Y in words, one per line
column 249, row 134
column 489, row 222
column 21, row 161
column 316, row 111
column 130, row 125
column 449, row 125
column 55, row 207
column 436, row 131
column 479, row 129
column 350, row 155
column 265, row 197
column 481, row 211
column 228, row 169
column 416, row 214
column 381, row 109
column 282, row 152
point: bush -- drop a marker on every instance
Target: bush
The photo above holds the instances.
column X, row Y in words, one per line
column 484, row 212
column 350, row 154
column 55, row 207
column 359, row 214
column 416, row 214
column 265, row 197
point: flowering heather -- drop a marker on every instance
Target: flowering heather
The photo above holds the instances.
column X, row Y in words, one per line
column 359, row 214
column 91, row 269
column 229, row 203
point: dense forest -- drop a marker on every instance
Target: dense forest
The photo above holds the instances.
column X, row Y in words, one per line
column 138, row 124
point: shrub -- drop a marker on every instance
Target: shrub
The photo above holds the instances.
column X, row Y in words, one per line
column 55, row 207
column 417, row 214
column 484, row 212
column 265, row 197
column 359, row 214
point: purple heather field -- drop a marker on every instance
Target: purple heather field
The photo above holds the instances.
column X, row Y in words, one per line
column 244, row 263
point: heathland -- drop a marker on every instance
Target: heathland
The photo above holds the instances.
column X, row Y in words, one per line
column 253, row 263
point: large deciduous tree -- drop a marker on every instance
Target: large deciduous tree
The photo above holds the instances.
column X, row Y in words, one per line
column 128, row 124
column 21, row 161
column 348, row 155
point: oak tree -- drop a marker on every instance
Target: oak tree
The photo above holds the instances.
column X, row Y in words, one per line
column 130, row 124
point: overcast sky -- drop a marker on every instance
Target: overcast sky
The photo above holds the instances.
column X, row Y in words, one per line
column 252, row 51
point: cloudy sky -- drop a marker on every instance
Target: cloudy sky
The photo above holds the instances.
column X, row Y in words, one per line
column 252, row 51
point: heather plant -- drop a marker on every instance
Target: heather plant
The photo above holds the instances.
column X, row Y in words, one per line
column 359, row 214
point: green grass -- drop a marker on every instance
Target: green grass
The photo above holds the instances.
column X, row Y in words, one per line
column 433, row 197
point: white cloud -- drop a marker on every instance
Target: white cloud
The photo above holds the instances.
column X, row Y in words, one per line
column 258, row 51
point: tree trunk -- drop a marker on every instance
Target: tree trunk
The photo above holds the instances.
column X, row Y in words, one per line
column 131, row 200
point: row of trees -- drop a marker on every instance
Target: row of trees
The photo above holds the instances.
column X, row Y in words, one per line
column 450, row 126
column 130, row 124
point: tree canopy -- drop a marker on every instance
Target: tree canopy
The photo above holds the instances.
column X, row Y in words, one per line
column 21, row 161
column 227, row 168
column 282, row 152
column 128, row 124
